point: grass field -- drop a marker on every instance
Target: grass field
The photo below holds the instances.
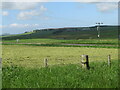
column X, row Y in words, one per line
column 33, row 56
column 66, row 76
column 23, row 67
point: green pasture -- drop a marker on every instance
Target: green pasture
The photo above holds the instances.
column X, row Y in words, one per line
column 33, row 56
column 23, row 67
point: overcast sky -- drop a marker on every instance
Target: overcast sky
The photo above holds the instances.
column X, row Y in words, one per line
column 18, row 17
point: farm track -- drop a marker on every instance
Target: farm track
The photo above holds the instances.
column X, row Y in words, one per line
column 62, row 44
column 88, row 45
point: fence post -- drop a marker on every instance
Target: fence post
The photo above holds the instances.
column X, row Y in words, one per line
column 85, row 62
column 45, row 62
column 109, row 60
column 0, row 60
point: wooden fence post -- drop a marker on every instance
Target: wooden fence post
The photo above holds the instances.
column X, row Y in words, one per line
column 85, row 62
column 45, row 62
column 109, row 60
column 0, row 63
column 0, row 60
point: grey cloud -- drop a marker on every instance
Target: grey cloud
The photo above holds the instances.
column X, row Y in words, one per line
column 18, row 5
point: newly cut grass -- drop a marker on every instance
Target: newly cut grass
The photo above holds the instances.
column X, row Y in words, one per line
column 66, row 76
column 33, row 56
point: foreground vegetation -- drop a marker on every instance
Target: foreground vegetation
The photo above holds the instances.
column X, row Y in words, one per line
column 66, row 76
column 23, row 65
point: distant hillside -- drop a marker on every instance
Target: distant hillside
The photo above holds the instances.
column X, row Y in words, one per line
column 5, row 34
column 68, row 33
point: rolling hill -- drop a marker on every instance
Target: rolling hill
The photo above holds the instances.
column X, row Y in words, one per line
column 106, row 32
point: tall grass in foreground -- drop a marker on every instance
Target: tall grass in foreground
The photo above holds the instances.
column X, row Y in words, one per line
column 64, row 76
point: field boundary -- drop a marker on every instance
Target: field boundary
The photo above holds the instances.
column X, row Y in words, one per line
column 64, row 45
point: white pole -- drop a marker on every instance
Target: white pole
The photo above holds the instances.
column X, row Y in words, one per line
column 98, row 29
column 17, row 40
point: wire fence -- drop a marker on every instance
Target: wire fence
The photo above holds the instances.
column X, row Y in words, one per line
column 77, row 60
column 43, row 61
